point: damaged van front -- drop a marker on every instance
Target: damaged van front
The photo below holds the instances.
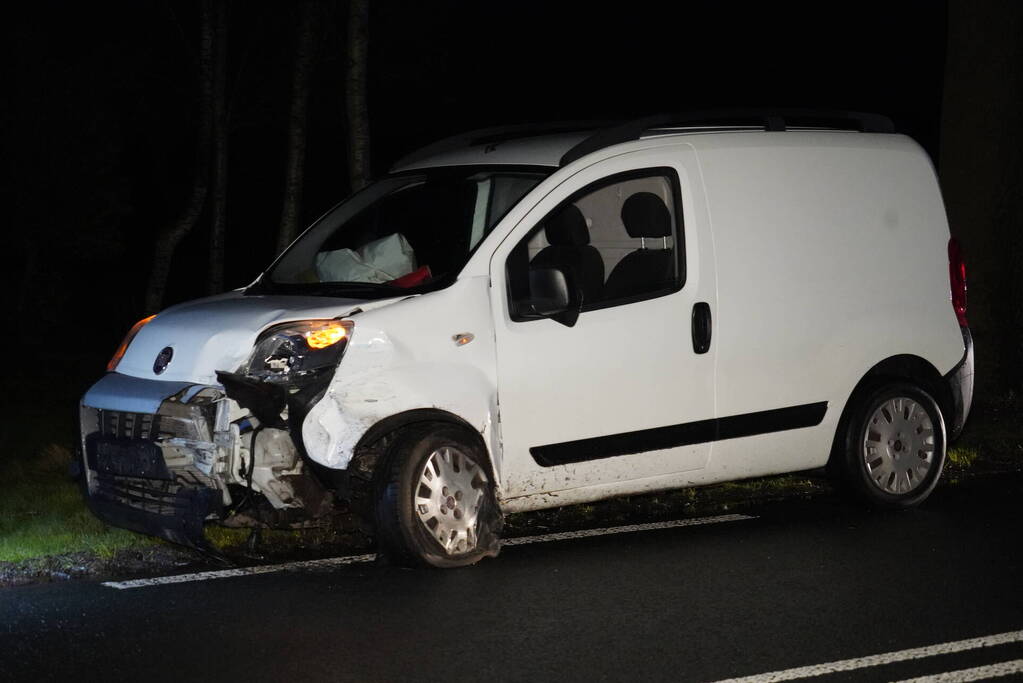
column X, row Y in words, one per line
column 164, row 453
column 250, row 406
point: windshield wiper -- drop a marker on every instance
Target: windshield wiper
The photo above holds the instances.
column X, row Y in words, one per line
column 351, row 288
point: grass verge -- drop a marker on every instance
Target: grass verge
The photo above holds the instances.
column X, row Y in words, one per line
column 42, row 513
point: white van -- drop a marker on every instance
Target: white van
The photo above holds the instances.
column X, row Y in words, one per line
column 524, row 318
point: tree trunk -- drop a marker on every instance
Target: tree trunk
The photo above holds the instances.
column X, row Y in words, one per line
column 359, row 171
column 218, row 227
column 172, row 234
column 981, row 173
column 294, row 175
column 167, row 242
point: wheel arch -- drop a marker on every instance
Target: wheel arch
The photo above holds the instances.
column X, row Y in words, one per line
column 900, row 368
column 370, row 447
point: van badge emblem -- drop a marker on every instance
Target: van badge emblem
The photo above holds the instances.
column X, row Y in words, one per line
column 163, row 359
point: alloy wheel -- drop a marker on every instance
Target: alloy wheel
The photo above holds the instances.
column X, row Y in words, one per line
column 898, row 446
column 449, row 492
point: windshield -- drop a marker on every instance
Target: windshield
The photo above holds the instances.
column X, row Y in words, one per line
column 404, row 232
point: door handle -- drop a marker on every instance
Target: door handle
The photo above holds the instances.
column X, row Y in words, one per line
column 701, row 327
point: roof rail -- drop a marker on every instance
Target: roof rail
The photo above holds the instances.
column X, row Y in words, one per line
column 498, row 134
column 769, row 119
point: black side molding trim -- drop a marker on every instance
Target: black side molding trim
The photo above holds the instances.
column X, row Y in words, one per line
column 686, row 434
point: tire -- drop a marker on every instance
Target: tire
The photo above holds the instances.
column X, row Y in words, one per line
column 451, row 525
column 893, row 448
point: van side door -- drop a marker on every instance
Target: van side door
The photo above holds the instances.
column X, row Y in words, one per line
column 625, row 397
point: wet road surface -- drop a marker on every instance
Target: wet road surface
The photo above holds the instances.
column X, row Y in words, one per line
column 801, row 584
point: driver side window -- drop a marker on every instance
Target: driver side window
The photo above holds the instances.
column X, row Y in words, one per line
column 617, row 241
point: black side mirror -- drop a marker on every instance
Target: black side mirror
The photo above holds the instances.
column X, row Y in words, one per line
column 553, row 295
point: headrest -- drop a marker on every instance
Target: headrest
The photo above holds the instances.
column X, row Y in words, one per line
column 567, row 228
column 645, row 215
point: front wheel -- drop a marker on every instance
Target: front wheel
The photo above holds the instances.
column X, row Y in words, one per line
column 435, row 504
column 894, row 446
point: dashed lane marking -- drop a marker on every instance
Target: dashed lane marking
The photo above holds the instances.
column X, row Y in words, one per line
column 977, row 673
column 359, row 559
column 628, row 528
column 889, row 658
column 240, row 571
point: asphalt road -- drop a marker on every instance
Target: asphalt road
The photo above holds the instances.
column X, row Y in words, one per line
column 803, row 583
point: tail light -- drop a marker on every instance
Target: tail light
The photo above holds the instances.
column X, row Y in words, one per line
column 957, row 280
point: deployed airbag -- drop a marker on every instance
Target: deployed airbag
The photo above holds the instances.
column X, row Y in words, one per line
column 382, row 260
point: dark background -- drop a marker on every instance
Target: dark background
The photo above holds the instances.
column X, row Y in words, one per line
column 100, row 111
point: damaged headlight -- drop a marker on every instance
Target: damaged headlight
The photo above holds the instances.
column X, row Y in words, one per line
column 298, row 350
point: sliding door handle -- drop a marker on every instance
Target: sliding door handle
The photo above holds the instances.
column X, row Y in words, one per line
column 701, row 327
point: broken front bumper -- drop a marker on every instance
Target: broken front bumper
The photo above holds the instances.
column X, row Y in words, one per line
column 159, row 457
column 166, row 509
column 150, row 455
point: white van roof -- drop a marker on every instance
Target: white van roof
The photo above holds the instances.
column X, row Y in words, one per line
column 558, row 144
column 541, row 150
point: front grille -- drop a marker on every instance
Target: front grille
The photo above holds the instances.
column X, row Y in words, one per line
column 124, row 425
column 156, row 496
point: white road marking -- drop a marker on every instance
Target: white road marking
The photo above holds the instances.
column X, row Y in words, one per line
column 241, row 571
column 882, row 659
column 977, row 673
column 628, row 528
column 357, row 559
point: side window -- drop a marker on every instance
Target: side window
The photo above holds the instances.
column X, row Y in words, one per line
column 619, row 240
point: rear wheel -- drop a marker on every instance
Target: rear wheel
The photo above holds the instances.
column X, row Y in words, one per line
column 894, row 446
column 435, row 504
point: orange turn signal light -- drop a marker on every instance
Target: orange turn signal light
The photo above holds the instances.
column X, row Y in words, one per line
column 326, row 336
column 119, row 353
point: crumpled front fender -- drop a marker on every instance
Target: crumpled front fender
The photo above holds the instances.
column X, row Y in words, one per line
column 383, row 381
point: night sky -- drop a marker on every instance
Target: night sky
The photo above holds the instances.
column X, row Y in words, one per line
column 100, row 111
